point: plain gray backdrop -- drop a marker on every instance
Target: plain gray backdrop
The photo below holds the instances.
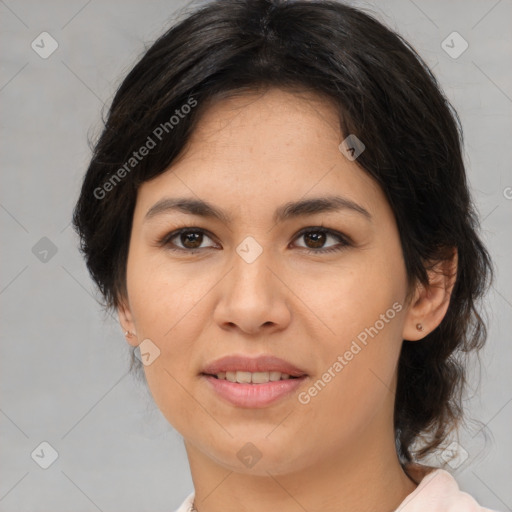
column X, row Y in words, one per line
column 64, row 363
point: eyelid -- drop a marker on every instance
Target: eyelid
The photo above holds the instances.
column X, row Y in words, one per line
column 345, row 240
column 185, row 229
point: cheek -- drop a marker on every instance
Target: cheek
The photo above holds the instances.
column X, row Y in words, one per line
column 355, row 381
column 163, row 297
column 357, row 296
column 362, row 306
column 164, row 307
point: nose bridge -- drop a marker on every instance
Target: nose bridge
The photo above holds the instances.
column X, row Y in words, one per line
column 251, row 261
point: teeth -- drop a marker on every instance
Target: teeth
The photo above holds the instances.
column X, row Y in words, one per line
column 252, row 377
column 259, row 377
column 243, row 377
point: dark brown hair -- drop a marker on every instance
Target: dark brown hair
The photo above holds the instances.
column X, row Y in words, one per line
column 384, row 94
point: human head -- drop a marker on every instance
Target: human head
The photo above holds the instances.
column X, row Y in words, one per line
column 382, row 93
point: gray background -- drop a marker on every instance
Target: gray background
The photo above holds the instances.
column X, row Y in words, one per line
column 64, row 363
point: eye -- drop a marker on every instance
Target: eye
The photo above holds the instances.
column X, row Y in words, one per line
column 189, row 238
column 316, row 237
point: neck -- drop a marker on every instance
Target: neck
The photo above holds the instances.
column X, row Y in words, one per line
column 366, row 477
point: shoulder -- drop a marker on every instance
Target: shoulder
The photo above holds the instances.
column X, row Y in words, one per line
column 186, row 506
column 437, row 492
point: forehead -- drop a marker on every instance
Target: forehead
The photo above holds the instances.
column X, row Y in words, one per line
column 270, row 121
column 264, row 147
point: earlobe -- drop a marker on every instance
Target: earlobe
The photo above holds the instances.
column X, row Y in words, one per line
column 430, row 302
column 127, row 323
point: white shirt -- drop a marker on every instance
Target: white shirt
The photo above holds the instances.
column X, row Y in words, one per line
column 437, row 492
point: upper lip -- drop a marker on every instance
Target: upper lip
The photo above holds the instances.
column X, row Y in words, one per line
column 264, row 363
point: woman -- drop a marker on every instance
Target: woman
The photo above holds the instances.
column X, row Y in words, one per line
column 278, row 210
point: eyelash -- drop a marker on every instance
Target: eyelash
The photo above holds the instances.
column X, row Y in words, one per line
column 343, row 239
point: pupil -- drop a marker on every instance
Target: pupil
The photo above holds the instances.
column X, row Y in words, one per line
column 191, row 240
column 317, row 238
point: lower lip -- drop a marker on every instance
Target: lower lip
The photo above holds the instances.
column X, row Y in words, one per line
column 254, row 395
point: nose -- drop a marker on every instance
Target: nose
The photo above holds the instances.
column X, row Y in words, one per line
column 254, row 297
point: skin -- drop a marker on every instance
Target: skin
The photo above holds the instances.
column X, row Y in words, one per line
column 250, row 155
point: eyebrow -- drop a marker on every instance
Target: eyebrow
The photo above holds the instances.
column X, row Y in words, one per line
column 285, row 212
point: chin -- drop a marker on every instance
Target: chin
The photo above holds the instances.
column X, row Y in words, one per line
column 259, row 457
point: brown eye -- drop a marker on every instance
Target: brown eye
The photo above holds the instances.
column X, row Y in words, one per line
column 316, row 238
column 191, row 240
column 186, row 239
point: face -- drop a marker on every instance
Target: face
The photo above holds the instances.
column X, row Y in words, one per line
column 302, row 262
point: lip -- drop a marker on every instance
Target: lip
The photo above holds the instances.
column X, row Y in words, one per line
column 254, row 396
column 264, row 363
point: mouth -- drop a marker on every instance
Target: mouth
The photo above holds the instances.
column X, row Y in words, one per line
column 264, row 368
column 258, row 378
column 253, row 382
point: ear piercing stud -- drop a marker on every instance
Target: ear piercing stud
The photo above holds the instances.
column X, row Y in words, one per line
column 419, row 327
column 128, row 334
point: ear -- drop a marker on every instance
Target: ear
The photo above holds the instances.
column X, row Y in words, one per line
column 430, row 302
column 127, row 323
